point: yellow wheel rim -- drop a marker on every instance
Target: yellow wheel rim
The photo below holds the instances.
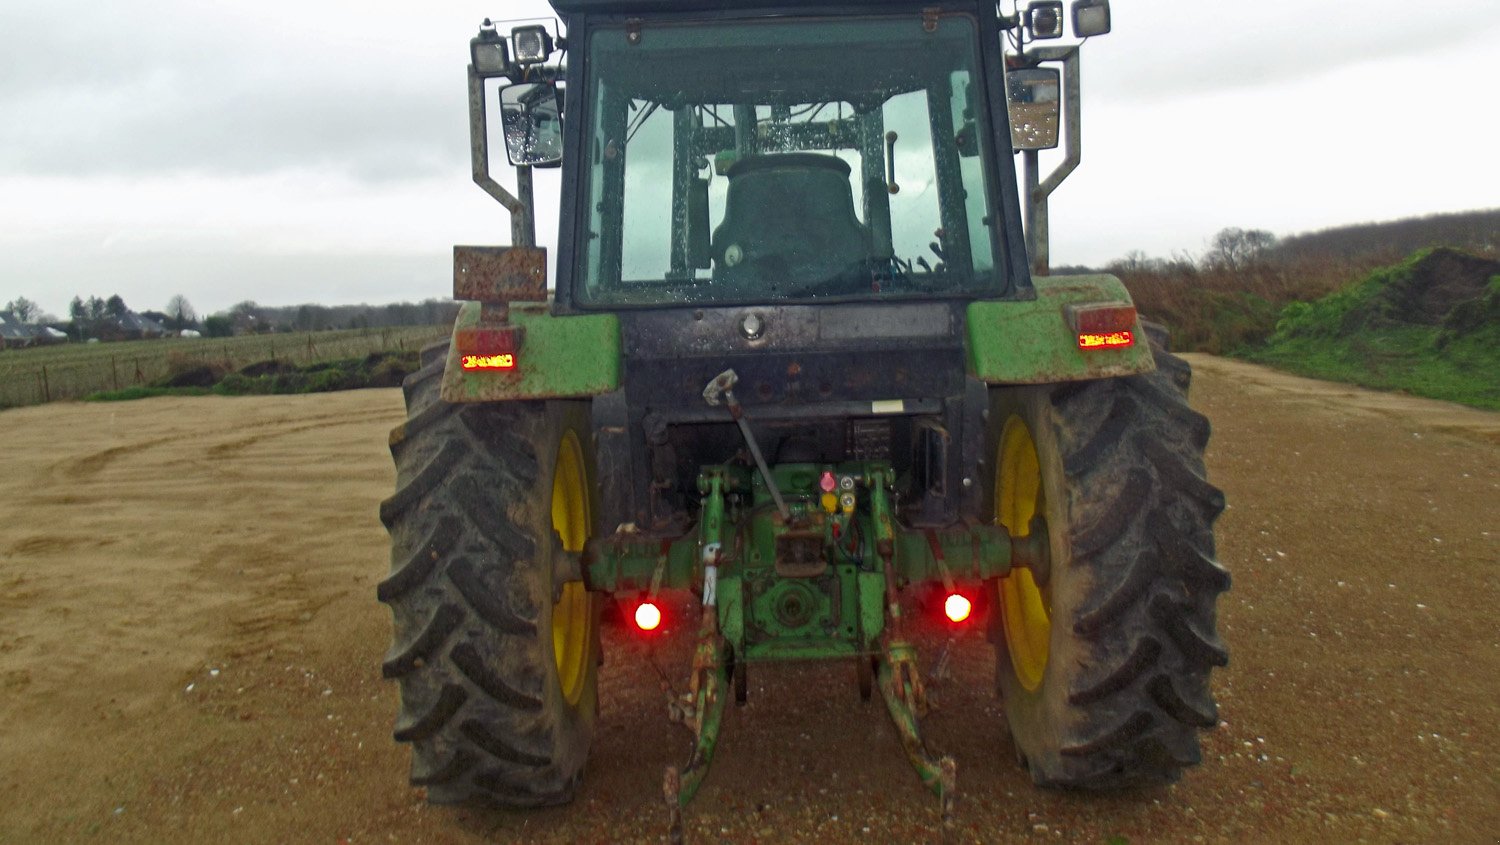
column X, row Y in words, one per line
column 1024, row 610
column 570, row 615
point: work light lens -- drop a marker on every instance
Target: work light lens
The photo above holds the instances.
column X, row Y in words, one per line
column 533, row 44
column 647, row 616
column 957, row 607
column 1090, row 18
column 1046, row 19
column 488, row 54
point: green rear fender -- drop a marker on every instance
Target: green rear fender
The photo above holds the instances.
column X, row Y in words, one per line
column 1030, row 341
column 558, row 358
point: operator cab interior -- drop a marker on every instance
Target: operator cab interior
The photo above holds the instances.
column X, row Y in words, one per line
column 787, row 216
column 731, row 162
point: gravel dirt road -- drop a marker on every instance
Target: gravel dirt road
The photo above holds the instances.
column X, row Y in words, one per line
column 190, row 643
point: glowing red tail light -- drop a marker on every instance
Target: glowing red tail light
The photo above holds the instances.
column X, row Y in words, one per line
column 1109, row 325
column 1107, row 340
column 957, row 608
column 647, row 616
column 488, row 348
column 505, row 361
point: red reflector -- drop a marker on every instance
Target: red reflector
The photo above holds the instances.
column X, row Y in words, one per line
column 1102, row 319
column 647, row 616
column 1105, row 340
column 489, row 340
column 505, row 361
column 957, row 607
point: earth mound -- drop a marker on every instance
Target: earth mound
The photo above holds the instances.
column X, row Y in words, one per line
column 1427, row 291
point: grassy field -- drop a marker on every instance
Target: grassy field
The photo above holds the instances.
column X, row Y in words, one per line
column 74, row 370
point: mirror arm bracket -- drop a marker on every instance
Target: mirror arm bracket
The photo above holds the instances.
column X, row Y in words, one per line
column 522, row 222
column 1037, row 191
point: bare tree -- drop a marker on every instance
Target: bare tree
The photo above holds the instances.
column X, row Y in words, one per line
column 180, row 312
column 1236, row 249
column 25, row 310
column 247, row 317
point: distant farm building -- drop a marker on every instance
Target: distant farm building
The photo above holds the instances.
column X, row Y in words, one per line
column 16, row 334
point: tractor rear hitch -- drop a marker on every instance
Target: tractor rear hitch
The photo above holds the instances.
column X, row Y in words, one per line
column 701, row 709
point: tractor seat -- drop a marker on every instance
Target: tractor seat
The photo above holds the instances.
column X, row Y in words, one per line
column 788, row 218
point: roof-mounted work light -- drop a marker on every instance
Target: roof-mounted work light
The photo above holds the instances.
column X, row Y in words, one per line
column 1090, row 18
column 533, row 44
column 488, row 53
column 1044, row 19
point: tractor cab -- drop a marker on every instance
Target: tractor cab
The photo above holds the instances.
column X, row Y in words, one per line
column 756, row 160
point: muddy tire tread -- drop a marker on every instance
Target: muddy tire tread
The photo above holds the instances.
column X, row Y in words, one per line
column 462, row 594
column 1141, row 512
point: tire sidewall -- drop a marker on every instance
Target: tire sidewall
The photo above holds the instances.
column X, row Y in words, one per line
column 1038, row 719
column 575, row 722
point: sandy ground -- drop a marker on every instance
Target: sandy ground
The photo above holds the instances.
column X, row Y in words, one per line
column 189, row 648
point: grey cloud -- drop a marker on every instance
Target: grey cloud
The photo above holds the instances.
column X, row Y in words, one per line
column 175, row 92
column 1161, row 51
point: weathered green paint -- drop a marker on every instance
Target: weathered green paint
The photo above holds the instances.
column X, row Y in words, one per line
column 901, row 687
column 971, row 553
column 711, row 483
column 709, row 703
column 732, row 612
column 627, row 564
column 559, row 357
column 1030, row 341
column 871, row 605
column 706, row 698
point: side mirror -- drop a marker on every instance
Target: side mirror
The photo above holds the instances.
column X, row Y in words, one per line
column 531, row 116
column 1035, row 99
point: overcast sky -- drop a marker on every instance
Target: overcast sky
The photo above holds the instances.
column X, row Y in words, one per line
column 317, row 152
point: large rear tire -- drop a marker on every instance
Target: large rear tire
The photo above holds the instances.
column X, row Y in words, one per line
column 1106, row 638
column 495, row 641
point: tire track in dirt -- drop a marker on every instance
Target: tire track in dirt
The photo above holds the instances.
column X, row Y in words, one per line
column 229, row 449
column 88, row 466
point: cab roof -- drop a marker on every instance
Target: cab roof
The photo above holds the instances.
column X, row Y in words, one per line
column 626, row 7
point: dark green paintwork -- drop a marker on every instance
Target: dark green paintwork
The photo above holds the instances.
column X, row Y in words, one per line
column 1030, row 342
column 848, row 610
column 559, row 357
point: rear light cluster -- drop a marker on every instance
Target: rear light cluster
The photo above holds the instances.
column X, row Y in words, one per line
column 489, row 348
column 1110, row 325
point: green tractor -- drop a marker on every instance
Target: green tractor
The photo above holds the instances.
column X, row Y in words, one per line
column 797, row 361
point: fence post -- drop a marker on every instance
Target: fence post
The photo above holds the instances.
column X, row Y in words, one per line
column 46, row 387
column 140, row 377
column 114, row 372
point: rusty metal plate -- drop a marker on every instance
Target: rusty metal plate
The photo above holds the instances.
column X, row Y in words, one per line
column 500, row 273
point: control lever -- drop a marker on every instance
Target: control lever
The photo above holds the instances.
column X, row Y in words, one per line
column 721, row 388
